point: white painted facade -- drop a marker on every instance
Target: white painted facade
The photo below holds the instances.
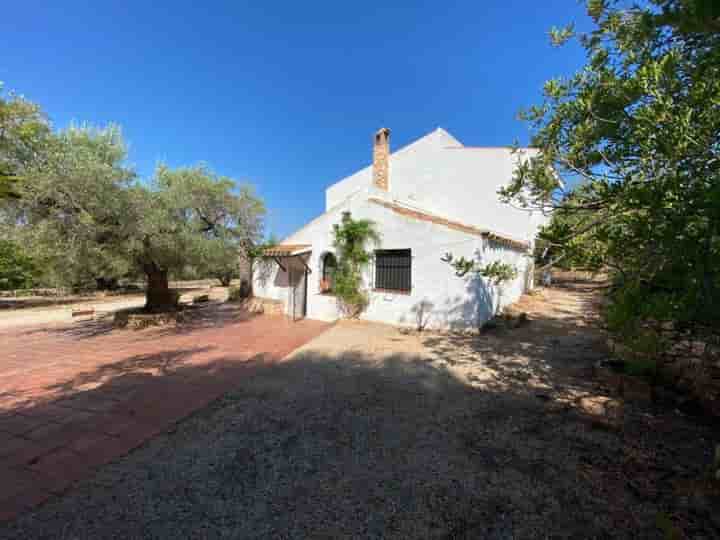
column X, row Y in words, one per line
column 436, row 177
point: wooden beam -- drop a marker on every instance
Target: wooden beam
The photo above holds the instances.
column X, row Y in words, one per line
column 279, row 264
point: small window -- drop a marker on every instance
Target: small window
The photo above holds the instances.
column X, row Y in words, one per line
column 393, row 270
column 329, row 265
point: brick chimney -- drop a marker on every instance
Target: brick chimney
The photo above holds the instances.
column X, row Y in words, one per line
column 381, row 159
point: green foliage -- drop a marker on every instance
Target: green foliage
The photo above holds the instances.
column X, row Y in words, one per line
column 190, row 214
column 496, row 271
column 640, row 367
column 351, row 238
column 17, row 269
column 217, row 221
column 234, row 294
column 571, row 239
column 82, row 215
column 72, row 213
column 347, row 287
column 256, row 250
column 629, row 163
column 560, row 36
column 23, row 133
column 220, row 258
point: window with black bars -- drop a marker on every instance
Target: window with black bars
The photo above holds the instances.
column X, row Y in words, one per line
column 393, row 269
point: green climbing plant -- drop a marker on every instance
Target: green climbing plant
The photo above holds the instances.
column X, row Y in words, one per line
column 351, row 239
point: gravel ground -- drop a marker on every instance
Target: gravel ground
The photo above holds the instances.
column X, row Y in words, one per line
column 370, row 432
column 104, row 306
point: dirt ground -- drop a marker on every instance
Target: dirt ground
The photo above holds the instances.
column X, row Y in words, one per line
column 33, row 310
column 369, row 431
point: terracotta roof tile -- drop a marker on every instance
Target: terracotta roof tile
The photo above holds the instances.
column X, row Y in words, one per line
column 450, row 224
column 285, row 250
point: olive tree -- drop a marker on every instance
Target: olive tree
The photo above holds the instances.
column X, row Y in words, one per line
column 72, row 212
column 190, row 215
column 83, row 213
column 24, row 129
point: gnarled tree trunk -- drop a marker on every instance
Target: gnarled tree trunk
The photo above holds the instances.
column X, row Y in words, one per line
column 106, row 284
column 225, row 279
column 158, row 296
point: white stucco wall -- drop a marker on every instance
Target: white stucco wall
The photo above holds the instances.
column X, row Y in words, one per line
column 438, row 174
column 463, row 183
column 406, row 160
column 435, row 174
column 275, row 284
column 439, row 299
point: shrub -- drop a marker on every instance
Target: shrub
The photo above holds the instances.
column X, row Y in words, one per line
column 350, row 240
column 17, row 269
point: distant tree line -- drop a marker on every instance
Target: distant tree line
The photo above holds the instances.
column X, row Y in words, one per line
column 73, row 213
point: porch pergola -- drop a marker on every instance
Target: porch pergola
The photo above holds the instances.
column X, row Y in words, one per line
column 287, row 251
column 291, row 260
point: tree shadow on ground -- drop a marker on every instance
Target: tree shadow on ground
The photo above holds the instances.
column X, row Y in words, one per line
column 555, row 350
column 156, row 364
column 26, row 302
column 112, row 383
column 352, row 445
column 212, row 314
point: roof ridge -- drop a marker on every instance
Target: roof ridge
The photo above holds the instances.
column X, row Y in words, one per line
column 400, row 150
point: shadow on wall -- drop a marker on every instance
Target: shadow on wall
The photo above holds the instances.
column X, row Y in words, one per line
column 422, row 311
column 477, row 306
column 263, row 270
column 294, row 267
column 282, row 278
column 479, row 303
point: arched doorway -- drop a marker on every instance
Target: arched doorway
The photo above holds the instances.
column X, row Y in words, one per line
column 328, row 265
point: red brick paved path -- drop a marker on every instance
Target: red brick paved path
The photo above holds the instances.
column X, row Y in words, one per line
column 75, row 397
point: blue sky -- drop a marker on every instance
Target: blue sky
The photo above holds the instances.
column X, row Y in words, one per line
column 285, row 95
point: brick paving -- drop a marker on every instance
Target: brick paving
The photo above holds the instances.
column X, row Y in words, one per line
column 77, row 396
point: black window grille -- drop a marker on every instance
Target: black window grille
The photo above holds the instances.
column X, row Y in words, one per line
column 393, row 269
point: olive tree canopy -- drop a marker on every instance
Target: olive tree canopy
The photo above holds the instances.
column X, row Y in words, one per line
column 84, row 214
column 24, row 129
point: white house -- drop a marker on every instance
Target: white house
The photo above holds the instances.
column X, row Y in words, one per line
column 429, row 198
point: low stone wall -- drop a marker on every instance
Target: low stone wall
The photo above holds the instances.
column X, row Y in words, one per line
column 138, row 321
column 263, row 305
